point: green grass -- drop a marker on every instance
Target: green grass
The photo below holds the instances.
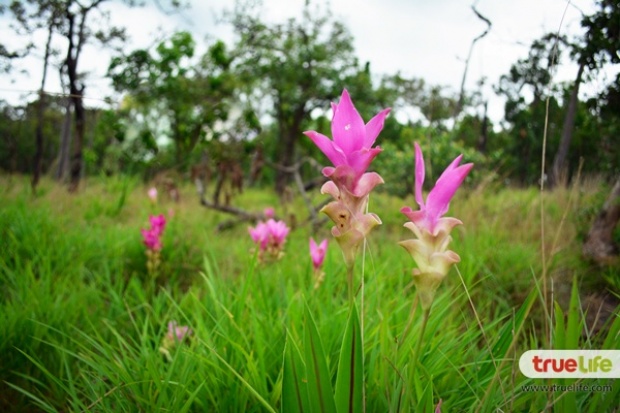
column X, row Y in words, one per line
column 82, row 323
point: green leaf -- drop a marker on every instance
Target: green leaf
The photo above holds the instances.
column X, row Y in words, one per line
column 350, row 380
column 559, row 337
column 573, row 322
column 320, row 391
column 294, row 380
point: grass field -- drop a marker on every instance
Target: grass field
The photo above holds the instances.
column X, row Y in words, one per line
column 82, row 322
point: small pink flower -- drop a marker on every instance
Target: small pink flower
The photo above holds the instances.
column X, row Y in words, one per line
column 152, row 193
column 317, row 253
column 277, row 232
column 260, row 235
column 151, row 239
column 152, row 236
column 269, row 212
column 177, row 332
column 438, row 408
column 158, row 223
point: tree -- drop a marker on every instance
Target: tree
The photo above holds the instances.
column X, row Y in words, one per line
column 599, row 46
column 72, row 20
column 299, row 65
column 166, row 84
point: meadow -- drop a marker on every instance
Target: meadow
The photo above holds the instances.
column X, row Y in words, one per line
column 82, row 322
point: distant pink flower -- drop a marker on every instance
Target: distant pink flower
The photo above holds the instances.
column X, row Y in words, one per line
column 317, row 253
column 152, row 193
column 269, row 212
column 158, row 223
column 177, row 332
column 270, row 237
column 437, row 202
column 152, row 236
column 151, row 239
column 438, row 408
column 278, row 232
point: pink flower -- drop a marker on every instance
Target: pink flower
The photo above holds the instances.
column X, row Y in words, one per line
column 437, row 202
column 351, row 150
column 177, row 332
column 158, row 223
column 151, row 239
column 152, row 193
column 269, row 212
column 317, row 253
column 278, row 232
column 152, row 236
column 260, row 235
column 429, row 248
column 270, row 237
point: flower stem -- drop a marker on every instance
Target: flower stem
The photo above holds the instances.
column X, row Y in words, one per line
column 350, row 282
column 416, row 352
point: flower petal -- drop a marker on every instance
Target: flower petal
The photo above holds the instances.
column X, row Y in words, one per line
column 419, row 175
column 374, row 126
column 438, row 200
column 367, row 183
column 327, row 146
column 360, row 160
column 348, row 129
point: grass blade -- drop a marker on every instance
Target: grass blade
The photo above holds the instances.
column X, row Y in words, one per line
column 294, row 381
column 350, row 380
column 320, row 390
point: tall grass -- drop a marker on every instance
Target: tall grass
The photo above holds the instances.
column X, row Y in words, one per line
column 82, row 323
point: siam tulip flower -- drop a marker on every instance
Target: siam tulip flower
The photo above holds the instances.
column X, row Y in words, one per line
column 432, row 230
column 151, row 238
column 152, row 193
column 158, row 223
column 269, row 212
column 175, row 336
column 317, row 253
column 270, row 237
column 177, row 332
column 351, row 151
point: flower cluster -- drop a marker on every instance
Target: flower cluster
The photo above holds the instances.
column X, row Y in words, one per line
column 351, row 152
column 432, row 230
column 270, row 237
column 152, row 236
column 152, row 240
column 317, row 255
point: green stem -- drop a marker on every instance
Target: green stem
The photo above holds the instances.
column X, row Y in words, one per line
column 416, row 352
column 350, row 282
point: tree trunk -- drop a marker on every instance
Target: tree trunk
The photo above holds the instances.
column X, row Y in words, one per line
column 38, row 154
column 599, row 244
column 77, row 93
column 65, row 144
column 559, row 173
column 484, row 131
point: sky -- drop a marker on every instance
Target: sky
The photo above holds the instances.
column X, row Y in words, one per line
column 418, row 38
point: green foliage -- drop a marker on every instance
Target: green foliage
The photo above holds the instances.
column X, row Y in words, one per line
column 83, row 323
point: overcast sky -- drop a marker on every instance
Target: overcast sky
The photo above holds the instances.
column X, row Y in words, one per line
column 419, row 38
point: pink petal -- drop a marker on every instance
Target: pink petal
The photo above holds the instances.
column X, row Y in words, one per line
column 327, row 146
column 348, row 129
column 374, row 126
column 361, row 160
column 367, row 183
column 419, row 175
column 438, row 200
